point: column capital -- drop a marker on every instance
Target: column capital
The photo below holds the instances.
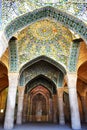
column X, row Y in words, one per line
column 21, row 90
column 13, row 73
column 60, row 92
column 71, row 80
column 83, row 92
column 13, row 79
column 71, row 75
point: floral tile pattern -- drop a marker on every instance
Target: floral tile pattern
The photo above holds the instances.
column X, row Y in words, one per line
column 45, row 37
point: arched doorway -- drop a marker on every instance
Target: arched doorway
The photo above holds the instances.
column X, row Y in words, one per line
column 3, row 90
column 40, row 101
column 41, row 77
column 82, row 90
column 39, row 109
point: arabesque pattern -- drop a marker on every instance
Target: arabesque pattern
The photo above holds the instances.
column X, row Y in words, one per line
column 45, row 37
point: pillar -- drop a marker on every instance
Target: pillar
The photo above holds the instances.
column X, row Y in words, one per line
column 30, row 109
column 10, row 109
column 50, row 109
column 60, row 106
column 28, row 113
column 84, row 106
column 54, row 109
column 25, row 108
column 20, row 104
column 75, row 116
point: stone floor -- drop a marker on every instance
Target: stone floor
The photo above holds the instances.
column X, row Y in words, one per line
column 43, row 126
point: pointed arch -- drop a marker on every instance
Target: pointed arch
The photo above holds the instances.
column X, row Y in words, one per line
column 47, row 79
column 58, row 65
column 66, row 19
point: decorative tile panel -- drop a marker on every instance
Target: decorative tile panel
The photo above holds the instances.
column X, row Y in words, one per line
column 73, row 56
column 67, row 20
column 47, row 38
column 13, row 56
column 14, row 8
column 60, row 79
column 40, row 68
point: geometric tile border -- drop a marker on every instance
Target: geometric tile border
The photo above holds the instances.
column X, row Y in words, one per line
column 67, row 20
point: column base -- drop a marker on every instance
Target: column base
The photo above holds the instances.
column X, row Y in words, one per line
column 19, row 118
column 18, row 122
column 61, row 122
column 76, row 127
column 54, row 121
column 8, row 126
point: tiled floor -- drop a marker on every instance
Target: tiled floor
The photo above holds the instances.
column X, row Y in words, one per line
column 43, row 126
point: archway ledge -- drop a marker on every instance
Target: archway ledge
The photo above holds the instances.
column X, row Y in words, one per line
column 58, row 65
column 42, row 84
column 44, row 77
column 66, row 19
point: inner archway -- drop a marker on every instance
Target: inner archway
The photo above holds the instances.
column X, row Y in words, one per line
column 39, row 108
column 39, row 104
column 40, row 100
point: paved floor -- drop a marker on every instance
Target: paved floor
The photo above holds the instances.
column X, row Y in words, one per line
column 43, row 126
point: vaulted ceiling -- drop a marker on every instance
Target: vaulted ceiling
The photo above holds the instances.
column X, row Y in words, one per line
column 45, row 37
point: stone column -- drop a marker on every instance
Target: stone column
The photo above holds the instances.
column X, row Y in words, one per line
column 84, row 106
column 50, row 109
column 47, row 108
column 28, row 113
column 75, row 117
column 54, row 109
column 31, row 109
column 20, row 104
column 60, row 106
column 25, row 108
column 10, row 109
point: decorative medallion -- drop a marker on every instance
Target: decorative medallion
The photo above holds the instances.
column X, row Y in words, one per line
column 44, row 30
